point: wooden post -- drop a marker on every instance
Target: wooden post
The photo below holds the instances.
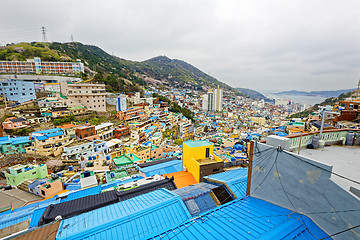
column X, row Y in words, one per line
column 251, row 154
column 300, row 143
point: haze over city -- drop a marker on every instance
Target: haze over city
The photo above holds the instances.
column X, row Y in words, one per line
column 263, row 45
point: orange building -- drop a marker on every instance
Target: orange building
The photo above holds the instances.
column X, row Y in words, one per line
column 85, row 131
column 131, row 114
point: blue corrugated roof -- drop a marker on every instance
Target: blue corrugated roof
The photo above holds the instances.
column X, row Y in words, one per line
column 4, row 138
column 36, row 217
column 234, row 180
column 249, row 218
column 23, row 213
column 19, row 140
column 83, row 193
column 39, row 138
column 2, row 142
column 55, row 134
column 73, row 186
column 49, row 130
column 163, row 168
column 138, row 217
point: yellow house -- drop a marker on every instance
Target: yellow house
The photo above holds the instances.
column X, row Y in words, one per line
column 200, row 160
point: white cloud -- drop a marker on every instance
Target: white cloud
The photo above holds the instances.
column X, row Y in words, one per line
column 273, row 44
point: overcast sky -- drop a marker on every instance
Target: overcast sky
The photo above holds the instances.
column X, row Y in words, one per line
column 260, row 44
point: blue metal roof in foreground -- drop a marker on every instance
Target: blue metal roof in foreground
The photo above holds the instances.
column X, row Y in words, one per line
column 163, row 168
column 248, row 218
column 234, row 180
column 24, row 213
column 83, row 193
column 137, row 218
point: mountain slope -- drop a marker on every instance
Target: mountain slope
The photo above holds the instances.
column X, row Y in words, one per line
column 253, row 94
column 334, row 93
column 119, row 74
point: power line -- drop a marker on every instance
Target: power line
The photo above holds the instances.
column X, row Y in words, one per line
column 345, row 230
column 312, row 164
column 43, row 31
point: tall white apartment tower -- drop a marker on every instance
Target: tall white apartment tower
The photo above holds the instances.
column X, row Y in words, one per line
column 213, row 100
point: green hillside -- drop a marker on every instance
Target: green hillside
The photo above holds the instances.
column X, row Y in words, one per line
column 253, row 94
column 119, row 75
column 329, row 101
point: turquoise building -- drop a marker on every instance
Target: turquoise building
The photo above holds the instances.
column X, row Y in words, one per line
column 14, row 145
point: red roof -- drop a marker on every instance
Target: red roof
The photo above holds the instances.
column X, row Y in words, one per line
column 65, row 126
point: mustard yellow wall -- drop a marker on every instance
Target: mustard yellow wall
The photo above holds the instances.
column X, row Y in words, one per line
column 190, row 155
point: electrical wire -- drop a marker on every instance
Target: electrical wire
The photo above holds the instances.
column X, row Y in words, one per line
column 314, row 165
column 287, row 196
column 345, row 230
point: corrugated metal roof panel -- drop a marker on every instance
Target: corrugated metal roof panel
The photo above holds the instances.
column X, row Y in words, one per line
column 83, row 193
column 249, row 218
column 162, row 168
column 36, row 217
column 234, row 180
column 23, row 213
column 200, row 204
column 78, row 206
column 136, row 218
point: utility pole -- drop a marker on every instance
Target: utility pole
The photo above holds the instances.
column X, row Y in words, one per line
column 250, row 154
column 43, row 31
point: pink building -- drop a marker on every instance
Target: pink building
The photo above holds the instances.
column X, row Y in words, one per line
column 14, row 123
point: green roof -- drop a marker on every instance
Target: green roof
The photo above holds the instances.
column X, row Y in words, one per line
column 135, row 158
column 199, row 143
column 122, row 161
column 118, row 174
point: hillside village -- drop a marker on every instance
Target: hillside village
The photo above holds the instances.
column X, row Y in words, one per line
column 66, row 140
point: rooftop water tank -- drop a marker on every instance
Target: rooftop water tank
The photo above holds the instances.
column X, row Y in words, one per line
column 315, row 141
column 350, row 138
column 357, row 139
column 87, row 173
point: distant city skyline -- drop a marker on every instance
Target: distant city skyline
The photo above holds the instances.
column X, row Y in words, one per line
column 261, row 45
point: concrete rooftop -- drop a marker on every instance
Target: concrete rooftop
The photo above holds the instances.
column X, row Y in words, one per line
column 344, row 159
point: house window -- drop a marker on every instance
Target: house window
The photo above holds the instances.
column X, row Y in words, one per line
column 207, row 153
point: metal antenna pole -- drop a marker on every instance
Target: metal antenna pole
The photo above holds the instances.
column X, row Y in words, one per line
column 322, row 123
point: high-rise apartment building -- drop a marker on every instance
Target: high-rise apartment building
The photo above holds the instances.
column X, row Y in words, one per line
column 37, row 66
column 213, row 100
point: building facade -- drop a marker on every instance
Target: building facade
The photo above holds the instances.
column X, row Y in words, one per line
column 213, row 100
column 92, row 96
column 85, row 131
column 17, row 91
column 19, row 173
column 37, row 66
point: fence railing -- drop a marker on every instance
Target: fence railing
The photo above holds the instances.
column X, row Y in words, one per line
column 332, row 136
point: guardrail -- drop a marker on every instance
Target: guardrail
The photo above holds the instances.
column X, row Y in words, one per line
column 332, row 136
